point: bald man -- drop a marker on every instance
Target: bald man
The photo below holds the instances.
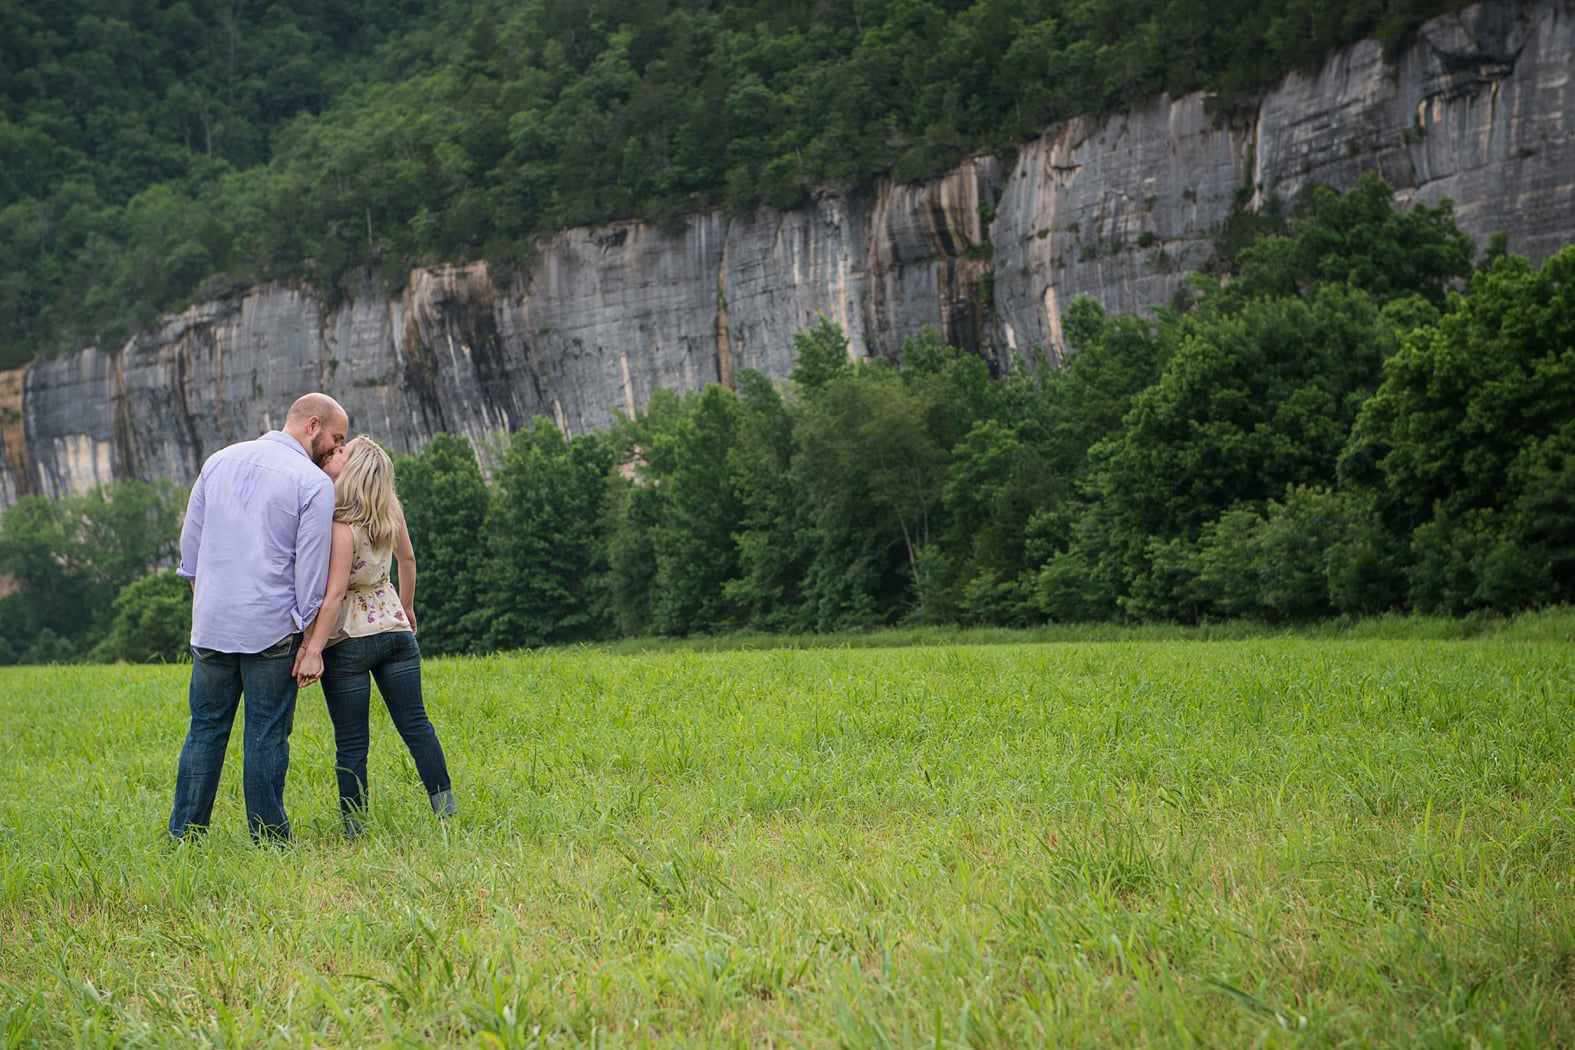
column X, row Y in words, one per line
column 255, row 546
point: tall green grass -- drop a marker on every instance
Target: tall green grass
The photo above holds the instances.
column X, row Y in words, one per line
column 1269, row 841
column 1552, row 624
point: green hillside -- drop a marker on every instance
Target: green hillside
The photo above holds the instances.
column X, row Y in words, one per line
column 155, row 152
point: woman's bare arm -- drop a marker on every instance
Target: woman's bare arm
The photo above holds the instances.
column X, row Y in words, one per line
column 309, row 661
column 405, row 555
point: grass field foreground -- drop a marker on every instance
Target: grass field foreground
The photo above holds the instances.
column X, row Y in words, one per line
column 1262, row 842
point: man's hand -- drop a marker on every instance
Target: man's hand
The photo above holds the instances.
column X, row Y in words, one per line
column 308, row 667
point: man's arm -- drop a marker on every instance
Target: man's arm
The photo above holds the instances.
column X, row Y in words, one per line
column 313, row 544
column 191, row 533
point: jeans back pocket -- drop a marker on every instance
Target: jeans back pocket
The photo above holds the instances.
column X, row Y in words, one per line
column 281, row 648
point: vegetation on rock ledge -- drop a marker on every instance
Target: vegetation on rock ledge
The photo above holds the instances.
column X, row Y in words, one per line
column 155, row 151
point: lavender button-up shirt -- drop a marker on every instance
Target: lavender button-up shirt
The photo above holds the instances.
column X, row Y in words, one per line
column 256, row 540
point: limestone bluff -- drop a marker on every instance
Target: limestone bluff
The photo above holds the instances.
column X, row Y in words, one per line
column 1479, row 108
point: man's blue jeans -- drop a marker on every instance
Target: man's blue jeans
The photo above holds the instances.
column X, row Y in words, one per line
column 394, row 659
column 217, row 682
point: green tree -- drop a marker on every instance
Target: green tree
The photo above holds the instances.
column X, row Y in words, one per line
column 872, row 471
column 994, row 484
column 1226, row 580
column 70, row 557
column 1248, row 404
column 1471, row 433
column 545, row 548
column 445, row 501
column 1367, row 560
column 633, row 506
column 58, row 590
column 772, row 556
column 630, row 512
column 1251, row 402
column 1543, row 524
column 820, row 354
column 693, row 542
column 1292, row 548
column 151, row 622
column 131, row 529
column 1358, row 239
column 1471, row 409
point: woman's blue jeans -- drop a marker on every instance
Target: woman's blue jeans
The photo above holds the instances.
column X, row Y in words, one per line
column 217, row 682
column 394, row 660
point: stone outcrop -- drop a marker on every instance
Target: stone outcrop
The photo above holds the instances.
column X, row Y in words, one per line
column 1479, row 108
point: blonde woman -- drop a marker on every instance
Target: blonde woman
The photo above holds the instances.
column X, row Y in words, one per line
column 367, row 631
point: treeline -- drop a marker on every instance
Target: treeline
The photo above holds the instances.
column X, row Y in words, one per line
column 155, row 151
column 1359, row 421
column 1364, row 419
column 91, row 577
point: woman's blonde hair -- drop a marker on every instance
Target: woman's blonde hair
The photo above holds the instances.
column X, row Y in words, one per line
column 364, row 493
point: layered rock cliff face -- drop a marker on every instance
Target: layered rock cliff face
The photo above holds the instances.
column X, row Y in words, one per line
column 1479, row 108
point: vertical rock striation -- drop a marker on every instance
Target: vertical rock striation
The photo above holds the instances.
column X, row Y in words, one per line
column 1120, row 209
column 1479, row 108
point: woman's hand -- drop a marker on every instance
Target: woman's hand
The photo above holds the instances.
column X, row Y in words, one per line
column 308, row 666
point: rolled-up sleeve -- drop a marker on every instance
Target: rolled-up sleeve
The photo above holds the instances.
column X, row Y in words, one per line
column 313, row 542
column 191, row 532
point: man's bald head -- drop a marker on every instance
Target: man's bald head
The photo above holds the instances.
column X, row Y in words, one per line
column 320, row 405
column 319, row 424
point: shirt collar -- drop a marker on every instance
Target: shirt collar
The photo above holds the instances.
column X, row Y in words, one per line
column 280, row 437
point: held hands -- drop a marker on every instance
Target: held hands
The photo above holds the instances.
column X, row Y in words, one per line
column 308, row 667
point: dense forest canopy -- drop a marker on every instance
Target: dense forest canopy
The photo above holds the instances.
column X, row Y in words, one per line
column 152, row 151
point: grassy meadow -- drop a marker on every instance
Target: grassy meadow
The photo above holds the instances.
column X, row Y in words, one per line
column 1361, row 839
